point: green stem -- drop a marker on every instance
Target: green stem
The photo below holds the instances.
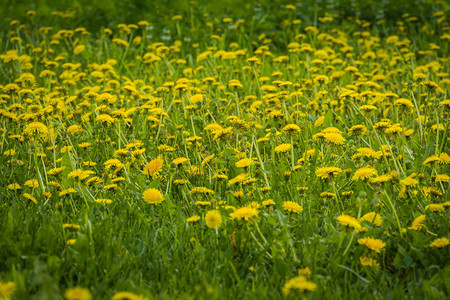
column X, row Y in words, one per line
column 395, row 213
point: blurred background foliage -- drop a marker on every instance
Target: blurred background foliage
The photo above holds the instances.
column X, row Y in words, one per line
column 265, row 15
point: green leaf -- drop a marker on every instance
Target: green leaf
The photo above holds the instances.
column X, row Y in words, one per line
column 84, row 193
column 328, row 121
column 228, row 152
column 154, row 184
column 140, row 179
column 67, row 162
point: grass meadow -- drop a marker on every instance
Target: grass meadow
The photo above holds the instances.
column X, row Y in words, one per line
column 201, row 150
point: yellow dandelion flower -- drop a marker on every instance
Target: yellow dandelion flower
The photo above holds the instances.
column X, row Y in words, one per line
column 239, row 178
column 442, row 177
column 71, row 242
column 213, row 219
column 10, row 152
column 291, row 129
column 298, row 286
column 372, row 217
column 13, row 186
column 368, row 262
column 127, row 296
column 153, row 196
column 105, row 119
column 78, row 293
column 319, row 121
column 444, row 159
column 268, row 202
column 180, row 160
column 334, row 137
column 32, row 183
column 409, row 181
column 283, row 148
column 404, row 102
column 349, row 221
column 247, row 213
column 36, row 128
column 154, row 167
column 431, row 160
column 7, row 289
column 440, row 242
column 328, row 172
column 291, row 206
column 201, row 190
column 381, row 178
column 364, row 173
column 55, row 171
column 417, row 224
column 244, row 163
column 103, row 201
column 193, row 219
column 376, row 245
column 30, row 197
column 357, row 130
column 435, row 207
column 71, row 226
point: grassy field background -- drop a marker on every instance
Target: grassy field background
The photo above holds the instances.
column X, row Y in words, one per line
column 191, row 156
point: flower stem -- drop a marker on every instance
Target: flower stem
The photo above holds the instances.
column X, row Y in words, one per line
column 395, row 213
